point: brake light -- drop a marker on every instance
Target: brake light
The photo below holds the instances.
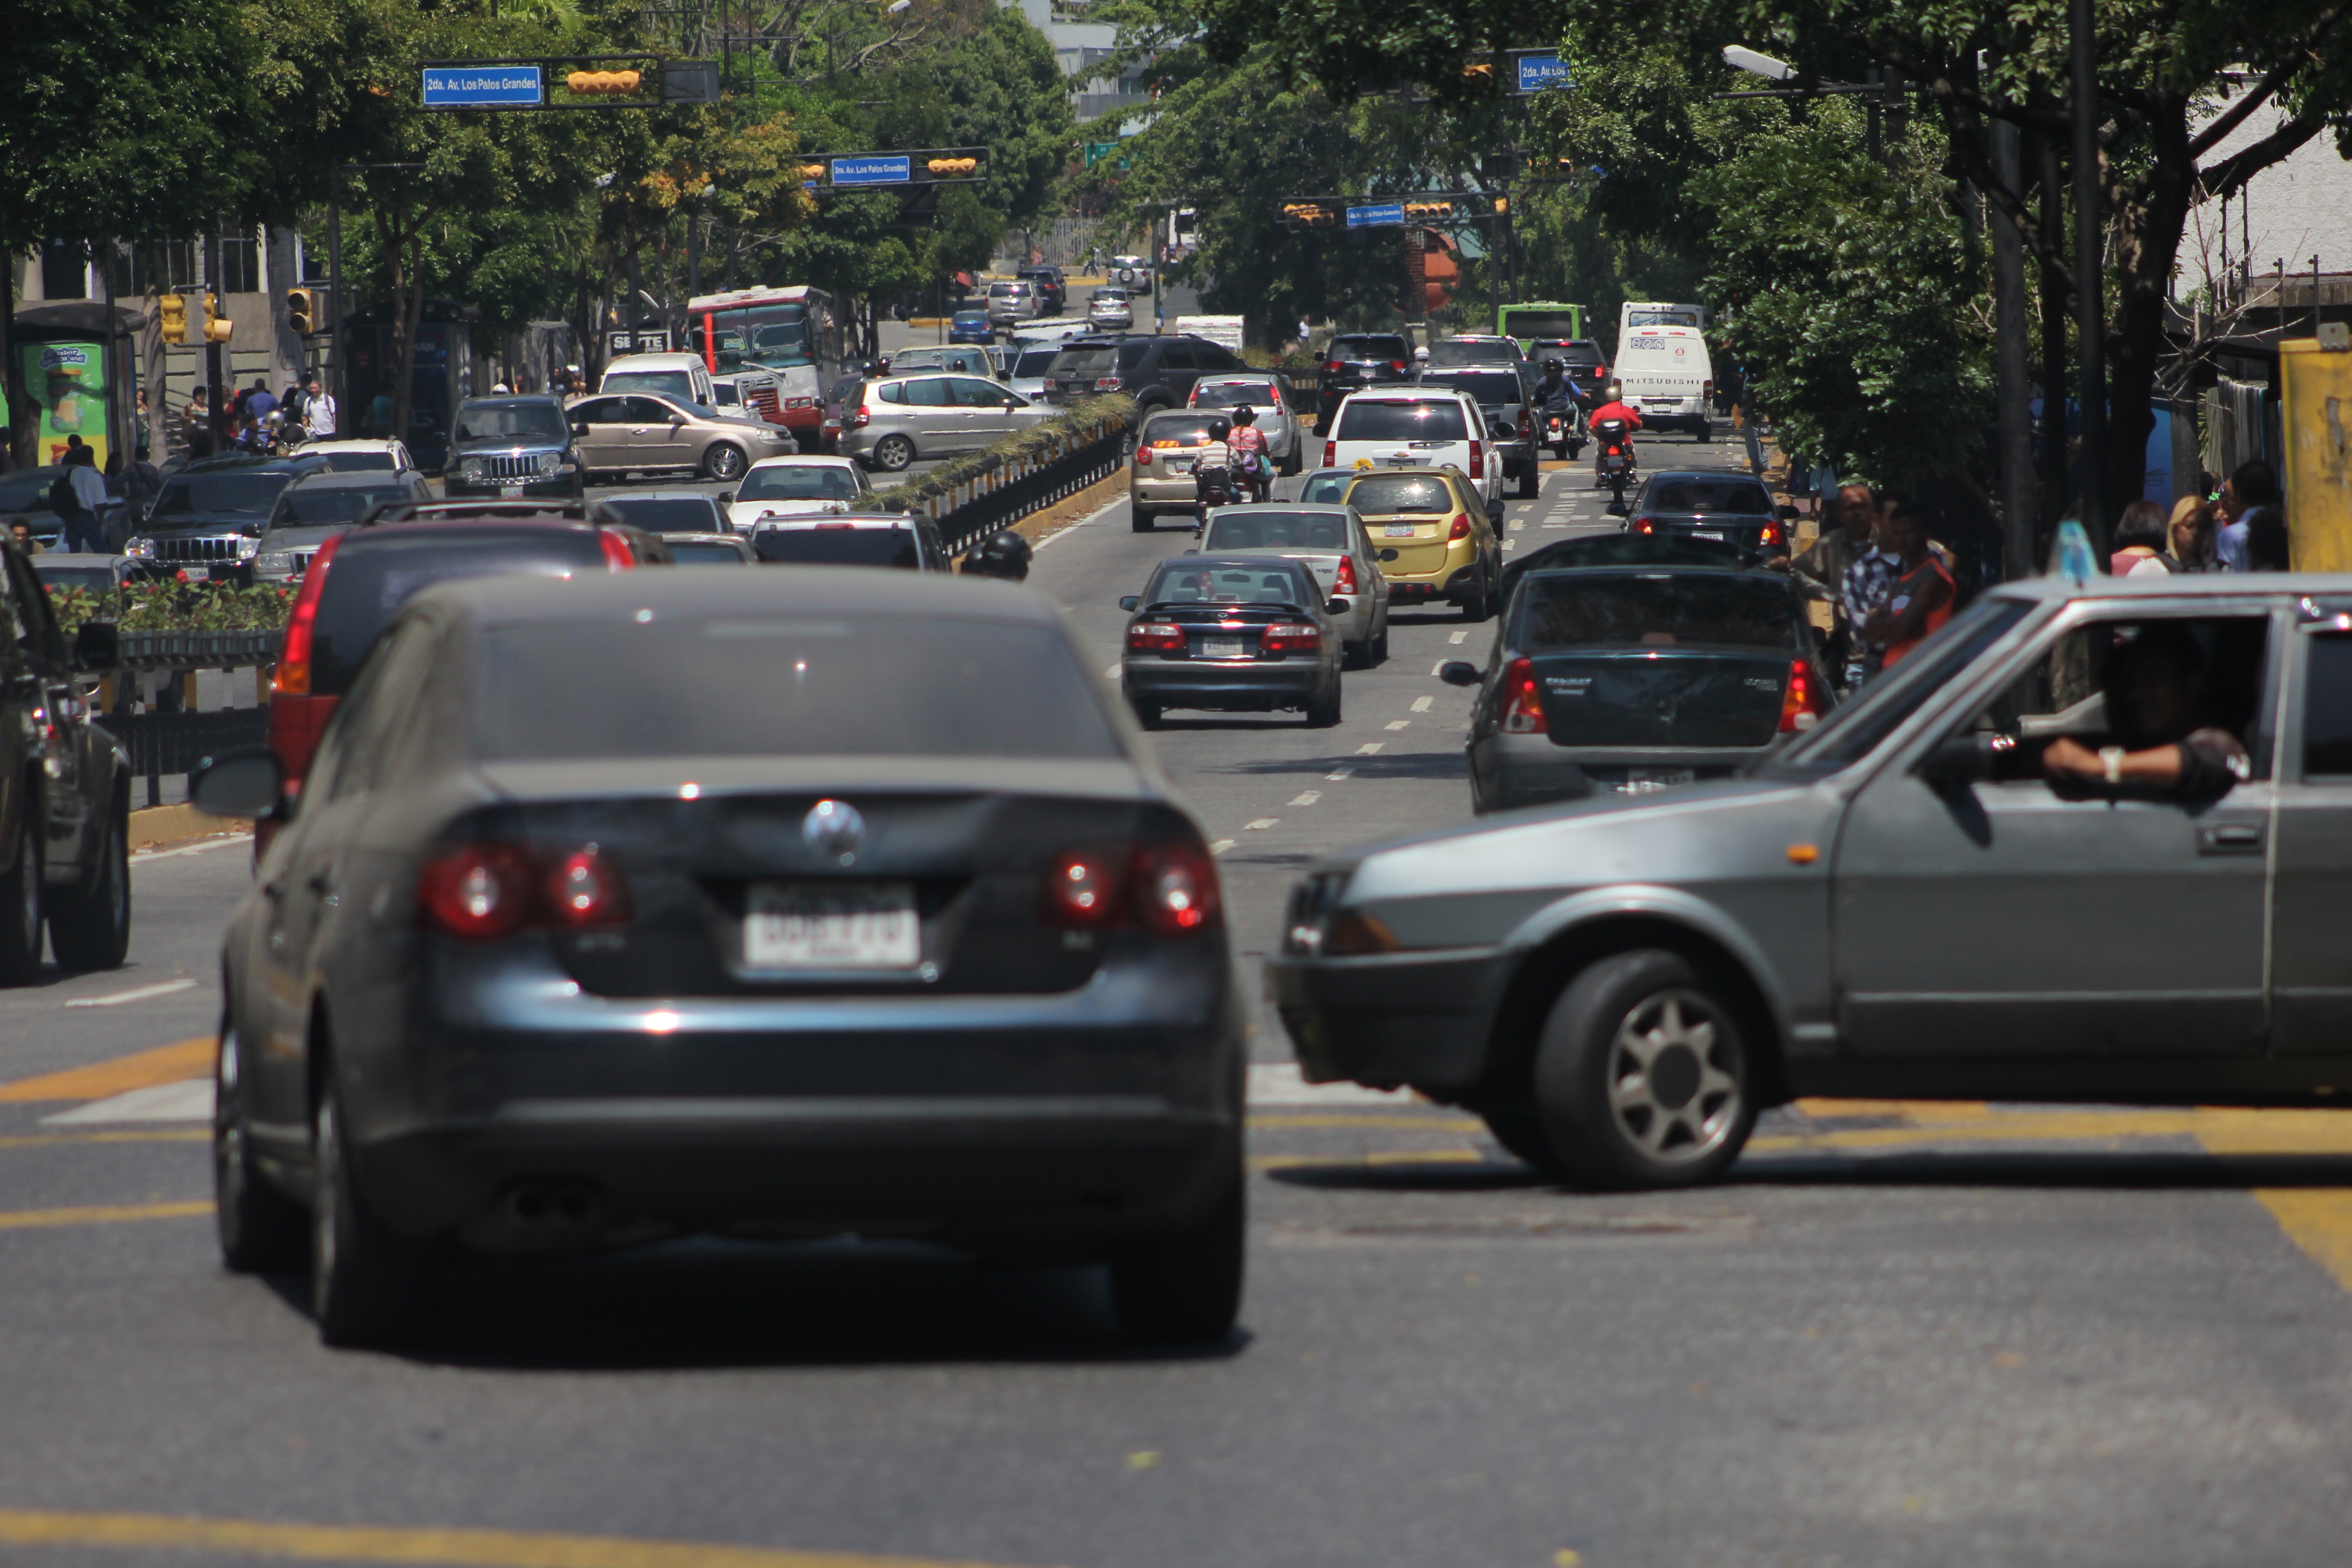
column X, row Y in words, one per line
column 1331, row 367
column 1344, row 583
column 1478, row 458
column 1461, row 529
column 1143, row 455
column 585, row 888
column 484, row 891
column 1169, row 889
column 1801, row 704
column 1175, row 888
column 1106, row 383
column 1771, row 534
column 1290, row 636
column 293, row 676
column 1155, row 636
column 858, row 419
column 618, row 556
column 1522, row 707
column 1644, row 525
column 1396, row 364
column 1331, row 454
column 1706, row 390
column 1082, row 888
column 1526, row 424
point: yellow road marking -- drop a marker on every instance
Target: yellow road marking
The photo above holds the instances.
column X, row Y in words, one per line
column 141, row 1069
column 109, row 1213
column 444, row 1548
column 1384, row 1157
column 1340, row 1119
column 40, row 1140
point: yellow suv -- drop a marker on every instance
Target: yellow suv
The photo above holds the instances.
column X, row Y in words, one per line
column 1434, row 539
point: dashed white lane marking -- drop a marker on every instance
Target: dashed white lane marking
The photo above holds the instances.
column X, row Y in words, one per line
column 1459, row 637
column 1510, row 544
column 1400, row 724
column 191, row 1100
column 1061, row 533
column 1307, row 797
column 1438, row 668
column 1280, row 1083
column 1221, row 846
column 136, row 994
column 1421, row 704
column 1369, row 747
column 1335, row 774
column 1261, row 824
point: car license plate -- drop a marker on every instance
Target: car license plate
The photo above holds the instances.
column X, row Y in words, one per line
column 197, row 574
column 1398, row 531
column 1706, row 533
column 1642, row 781
column 1401, row 460
column 831, row 925
column 1222, row 647
column 1180, row 465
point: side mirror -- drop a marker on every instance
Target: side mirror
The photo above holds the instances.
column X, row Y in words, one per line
column 1459, row 672
column 1338, row 606
column 1130, row 601
column 242, row 783
column 1388, row 554
column 581, row 428
column 97, row 645
column 1961, row 760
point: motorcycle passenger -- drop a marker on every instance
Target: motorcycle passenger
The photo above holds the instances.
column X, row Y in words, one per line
column 1214, row 483
column 1248, row 446
column 1003, row 554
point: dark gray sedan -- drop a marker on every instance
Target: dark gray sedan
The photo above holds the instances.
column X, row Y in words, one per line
column 1728, row 504
column 1233, row 633
column 759, row 904
column 1970, row 882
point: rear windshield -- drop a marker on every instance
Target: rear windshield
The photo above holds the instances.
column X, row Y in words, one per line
column 1233, row 394
column 1365, row 346
column 375, row 573
column 1487, row 386
column 1276, row 530
column 1087, row 363
column 302, row 507
column 1035, row 362
column 1455, row 350
column 1181, row 582
column 823, row 546
column 704, row 552
column 1175, row 430
column 1541, row 324
column 666, row 383
column 1655, row 610
column 668, row 514
column 359, row 462
column 1388, row 495
column 1361, row 421
column 809, row 481
column 27, row 490
column 784, row 686
column 526, row 421
column 1329, row 487
column 195, row 493
column 1710, row 495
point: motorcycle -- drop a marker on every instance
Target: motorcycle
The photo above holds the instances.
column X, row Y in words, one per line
column 1213, row 485
column 1564, row 431
column 1617, row 462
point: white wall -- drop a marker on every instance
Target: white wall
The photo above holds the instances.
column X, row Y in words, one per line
column 2296, row 208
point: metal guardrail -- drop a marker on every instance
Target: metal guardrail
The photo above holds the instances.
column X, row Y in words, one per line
column 975, row 507
column 175, row 743
column 199, row 650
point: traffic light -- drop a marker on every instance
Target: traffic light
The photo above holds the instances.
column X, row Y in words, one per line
column 607, row 84
column 949, row 167
column 1429, row 209
column 1307, row 214
column 172, row 316
column 301, row 311
column 1502, row 206
column 813, row 171
column 217, row 326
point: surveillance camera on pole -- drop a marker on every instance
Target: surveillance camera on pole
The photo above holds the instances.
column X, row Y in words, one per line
column 1765, row 66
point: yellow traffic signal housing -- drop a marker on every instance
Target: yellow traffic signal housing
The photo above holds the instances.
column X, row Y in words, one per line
column 172, row 317
column 592, row 84
column 1502, row 206
column 1429, row 209
column 217, row 326
column 948, row 166
column 302, row 311
column 812, row 171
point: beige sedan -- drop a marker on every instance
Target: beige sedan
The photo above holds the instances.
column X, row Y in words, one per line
column 620, row 433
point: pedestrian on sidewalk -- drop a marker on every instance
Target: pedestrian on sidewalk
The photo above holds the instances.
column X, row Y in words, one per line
column 1821, row 570
column 1869, row 585
column 84, row 493
column 2188, row 535
column 1922, row 593
column 2139, row 541
column 2252, row 488
column 318, row 412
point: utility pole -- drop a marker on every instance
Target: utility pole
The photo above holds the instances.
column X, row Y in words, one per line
column 336, row 386
column 2090, row 292
column 2055, row 388
column 2009, row 364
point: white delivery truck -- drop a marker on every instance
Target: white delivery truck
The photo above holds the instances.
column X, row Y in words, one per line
column 1225, row 330
column 1664, row 372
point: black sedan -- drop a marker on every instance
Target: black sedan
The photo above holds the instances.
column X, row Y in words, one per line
column 1709, row 504
column 1233, row 633
column 754, row 904
column 1632, row 678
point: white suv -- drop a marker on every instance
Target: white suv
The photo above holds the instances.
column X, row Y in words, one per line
column 1416, row 427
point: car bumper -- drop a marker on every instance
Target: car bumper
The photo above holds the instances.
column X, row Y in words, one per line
column 560, row 485
column 1228, row 684
column 1528, row 770
column 1004, row 1122
column 1450, row 585
column 1417, row 1018
column 1163, row 494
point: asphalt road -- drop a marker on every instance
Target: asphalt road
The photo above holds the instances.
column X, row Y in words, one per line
column 1900, row 1334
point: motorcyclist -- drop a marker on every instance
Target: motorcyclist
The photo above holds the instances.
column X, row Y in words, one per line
column 1213, row 473
column 1003, row 554
column 1248, row 444
column 1557, row 395
column 1619, row 409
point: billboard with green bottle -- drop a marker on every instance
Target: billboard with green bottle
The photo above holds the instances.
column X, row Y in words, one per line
column 68, row 379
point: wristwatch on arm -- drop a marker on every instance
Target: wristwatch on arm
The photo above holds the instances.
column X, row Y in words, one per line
column 2112, row 759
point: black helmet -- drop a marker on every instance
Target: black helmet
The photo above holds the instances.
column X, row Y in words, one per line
column 1220, row 428
column 1554, row 364
column 1244, row 415
column 1003, row 554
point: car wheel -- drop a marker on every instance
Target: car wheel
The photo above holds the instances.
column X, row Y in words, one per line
column 91, row 928
column 1641, row 1076
column 1480, row 605
column 723, row 463
column 366, row 1282
column 1295, row 461
column 1140, row 520
column 1520, row 1132
column 1706, row 432
column 1323, row 714
column 892, row 454
column 1530, row 481
column 1575, row 450
column 1381, row 643
column 20, row 902
column 1184, row 1286
column 1356, row 655
column 260, row 1228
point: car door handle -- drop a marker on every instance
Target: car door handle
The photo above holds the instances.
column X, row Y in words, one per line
column 2230, row 839
column 274, row 889
column 319, row 882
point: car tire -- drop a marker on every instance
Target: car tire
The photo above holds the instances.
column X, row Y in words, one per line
column 1295, row 461
column 1642, row 1076
column 1575, row 450
column 894, row 454
column 1140, row 520
column 1184, row 1286
column 1381, row 643
column 1520, row 1132
column 1356, row 655
column 261, row 1230
column 366, row 1284
column 1480, row 605
column 1530, row 481
column 723, row 462
column 1147, row 715
column 1706, row 432
column 21, row 902
column 90, row 928
column 1323, row 713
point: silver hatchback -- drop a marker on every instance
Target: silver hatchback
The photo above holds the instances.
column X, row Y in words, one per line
column 896, row 421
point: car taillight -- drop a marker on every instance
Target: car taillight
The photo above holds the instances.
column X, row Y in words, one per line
column 1706, row 390
column 1344, row 583
column 1396, row 364
column 1527, row 426
column 584, row 888
column 293, row 676
column 1290, row 636
column 1461, row 529
column 1170, row 889
column 1771, row 535
column 1801, row 704
column 1477, row 460
column 1155, row 636
column 1175, row 888
column 856, row 419
column 1522, row 707
column 484, row 891
column 1082, row 888
column 1106, row 383
column 1645, row 525
column 1331, row 368
column 1143, row 455
column 1331, row 454
column 618, row 556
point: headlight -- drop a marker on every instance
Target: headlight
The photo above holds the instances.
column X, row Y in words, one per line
column 142, row 548
column 274, row 561
column 549, row 462
column 247, row 548
column 471, row 469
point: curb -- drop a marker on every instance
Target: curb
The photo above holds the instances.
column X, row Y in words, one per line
column 170, row 823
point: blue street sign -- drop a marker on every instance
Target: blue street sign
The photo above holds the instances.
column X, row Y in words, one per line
column 895, row 170
column 483, row 87
column 1539, row 71
column 1384, row 215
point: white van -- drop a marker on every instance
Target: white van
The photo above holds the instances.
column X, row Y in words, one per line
column 683, row 376
column 1664, row 372
column 1635, row 314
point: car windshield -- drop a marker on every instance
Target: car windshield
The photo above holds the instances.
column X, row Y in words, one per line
column 510, row 421
column 678, row 687
column 1741, row 496
column 1474, row 350
column 1525, row 323
column 668, row 514
column 1110, row 296
column 837, row 546
column 1085, row 363
column 1855, row 730
column 798, row 481
column 360, row 463
column 661, row 382
column 1654, row 609
column 1175, row 430
column 1182, row 582
column 303, row 506
column 1235, row 394
column 970, row 318
column 1394, row 495
column 1487, row 386
column 192, row 495
column 1374, row 346
column 1034, row 363
column 704, row 552
column 1275, row 530
column 1389, row 421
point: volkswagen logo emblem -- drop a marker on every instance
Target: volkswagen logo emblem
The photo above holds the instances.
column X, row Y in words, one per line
column 835, row 829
